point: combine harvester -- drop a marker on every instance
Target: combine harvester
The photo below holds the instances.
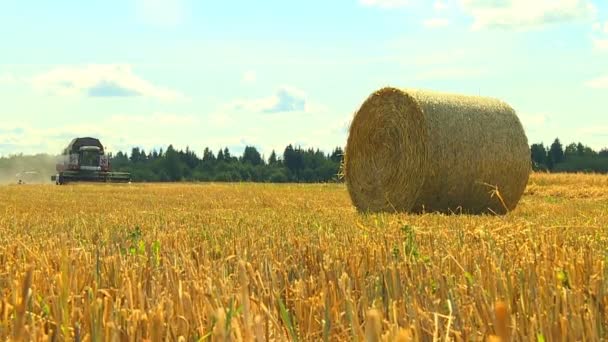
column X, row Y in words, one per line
column 84, row 160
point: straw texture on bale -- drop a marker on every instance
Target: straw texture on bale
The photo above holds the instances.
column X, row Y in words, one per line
column 422, row 151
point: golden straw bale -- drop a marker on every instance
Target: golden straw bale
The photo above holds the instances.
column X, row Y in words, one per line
column 423, row 151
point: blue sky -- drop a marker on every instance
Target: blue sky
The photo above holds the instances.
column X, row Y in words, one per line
column 268, row 73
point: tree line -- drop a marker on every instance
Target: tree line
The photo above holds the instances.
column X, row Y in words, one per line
column 309, row 165
column 575, row 157
column 294, row 164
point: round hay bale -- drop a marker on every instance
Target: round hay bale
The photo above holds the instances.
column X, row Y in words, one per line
column 422, row 151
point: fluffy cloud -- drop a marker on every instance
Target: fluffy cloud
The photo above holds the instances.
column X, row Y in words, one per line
column 116, row 132
column 599, row 38
column 19, row 138
column 524, row 14
column 286, row 99
column 11, row 130
column 600, row 44
column 109, row 89
column 533, row 120
column 601, row 27
column 598, row 83
column 157, row 118
column 597, row 131
column 7, row 78
column 249, row 76
column 108, row 80
column 440, row 5
column 436, row 22
column 384, row 3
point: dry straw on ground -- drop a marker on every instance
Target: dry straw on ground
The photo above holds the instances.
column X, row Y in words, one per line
column 422, row 151
column 289, row 262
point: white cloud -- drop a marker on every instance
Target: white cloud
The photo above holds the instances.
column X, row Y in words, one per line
column 599, row 38
column 341, row 126
column 525, row 14
column 157, row 118
column 384, row 3
column 160, row 12
column 286, row 99
column 116, row 132
column 436, row 22
column 260, row 122
column 249, row 76
column 440, row 5
column 598, row 83
column 7, row 78
column 121, row 132
column 100, row 80
column 19, row 138
column 600, row 44
column 221, row 119
column 599, row 27
column 533, row 120
column 597, row 130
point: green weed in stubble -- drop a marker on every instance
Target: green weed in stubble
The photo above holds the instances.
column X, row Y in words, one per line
column 326, row 320
column 287, row 320
column 231, row 313
column 410, row 247
column 156, row 253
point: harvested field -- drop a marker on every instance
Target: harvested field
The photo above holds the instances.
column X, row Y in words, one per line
column 297, row 262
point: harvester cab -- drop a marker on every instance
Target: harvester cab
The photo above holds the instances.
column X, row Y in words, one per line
column 84, row 160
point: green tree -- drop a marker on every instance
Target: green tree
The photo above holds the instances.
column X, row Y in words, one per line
column 120, row 160
column 189, row 158
column 539, row 154
column 580, row 149
column 556, row 152
column 273, row 159
column 227, row 157
column 571, row 150
column 173, row 165
column 337, row 155
column 293, row 159
column 550, row 162
column 136, row 155
column 208, row 156
column 252, row 156
column 588, row 152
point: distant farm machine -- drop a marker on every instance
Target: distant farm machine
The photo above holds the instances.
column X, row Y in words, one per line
column 84, row 160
